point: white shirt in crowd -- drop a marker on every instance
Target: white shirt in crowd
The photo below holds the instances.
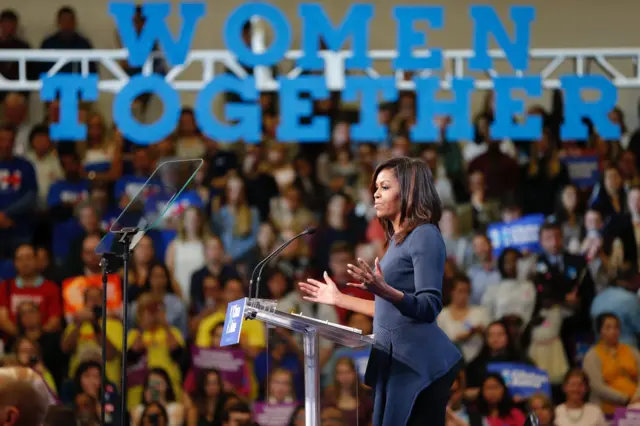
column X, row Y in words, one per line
column 589, row 415
column 476, row 316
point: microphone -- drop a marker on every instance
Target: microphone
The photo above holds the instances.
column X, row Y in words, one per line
column 260, row 266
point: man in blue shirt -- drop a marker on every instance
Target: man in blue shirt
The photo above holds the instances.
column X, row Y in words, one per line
column 18, row 196
column 621, row 300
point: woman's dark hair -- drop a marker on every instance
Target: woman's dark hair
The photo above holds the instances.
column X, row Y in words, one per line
column 292, row 419
column 510, row 351
column 163, row 411
column 579, row 372
column 419, row 202
column 171, row 395
column 157, row 264
column 506, row 403
column 600, row 319
column 199, row 396
column 59, row 415
column 83, row 367
column 502, row 259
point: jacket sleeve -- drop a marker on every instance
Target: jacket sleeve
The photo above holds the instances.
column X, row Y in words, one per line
column 428, row 254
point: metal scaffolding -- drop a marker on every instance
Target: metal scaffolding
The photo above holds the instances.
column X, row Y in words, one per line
column 113, row 77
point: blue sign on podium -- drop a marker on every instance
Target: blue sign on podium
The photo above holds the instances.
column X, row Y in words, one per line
column 233, row 322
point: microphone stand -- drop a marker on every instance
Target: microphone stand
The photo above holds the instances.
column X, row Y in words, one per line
column 124, row 238
column 104, row 263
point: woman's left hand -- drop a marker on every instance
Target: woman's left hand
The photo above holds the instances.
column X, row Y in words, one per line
column 369, row 279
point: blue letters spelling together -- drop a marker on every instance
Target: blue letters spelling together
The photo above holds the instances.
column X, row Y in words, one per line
column 246, row 117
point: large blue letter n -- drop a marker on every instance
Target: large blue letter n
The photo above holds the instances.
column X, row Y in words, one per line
column 155, row 29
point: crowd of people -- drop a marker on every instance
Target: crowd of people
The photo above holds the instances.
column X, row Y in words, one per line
column 569, row 308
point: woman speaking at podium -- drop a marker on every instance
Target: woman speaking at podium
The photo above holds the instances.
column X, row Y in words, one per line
column 412, row 364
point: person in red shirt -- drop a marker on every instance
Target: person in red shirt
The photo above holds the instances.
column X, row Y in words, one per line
column 340, row 255
column 29, row 286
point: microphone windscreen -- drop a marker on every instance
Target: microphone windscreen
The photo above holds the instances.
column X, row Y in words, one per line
column 310, row 231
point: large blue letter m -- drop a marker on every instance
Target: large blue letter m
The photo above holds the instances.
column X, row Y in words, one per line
column 155, row 29
column 316, row 24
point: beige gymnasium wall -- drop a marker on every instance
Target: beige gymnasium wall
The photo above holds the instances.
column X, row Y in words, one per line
column 559, row 23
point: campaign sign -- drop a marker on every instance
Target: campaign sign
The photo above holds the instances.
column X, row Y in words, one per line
column 521, row 379
column 233, row 322
column 243, row 119
column 229, row 362
column 626, row 417
column 522, row 234
column 583, row 170
column 273, row 414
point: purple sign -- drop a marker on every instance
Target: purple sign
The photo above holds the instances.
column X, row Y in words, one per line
column 626, row 417
column 273, row 414
column 229, row 362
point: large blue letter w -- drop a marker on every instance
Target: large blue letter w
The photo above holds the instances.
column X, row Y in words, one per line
column 155, row 29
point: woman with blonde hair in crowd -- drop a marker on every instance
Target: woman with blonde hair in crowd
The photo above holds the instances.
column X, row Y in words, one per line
column 540, row 404
column 185, row 254
column 103, row 153
column 236, row 222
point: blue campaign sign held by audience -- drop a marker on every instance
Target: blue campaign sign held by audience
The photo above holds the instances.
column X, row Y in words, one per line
column 521, row 234
column 233, row 322
column 242, row 120
column 583, row 170
column 522, row 380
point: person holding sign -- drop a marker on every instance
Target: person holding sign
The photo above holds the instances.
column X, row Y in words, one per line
column 413, row 363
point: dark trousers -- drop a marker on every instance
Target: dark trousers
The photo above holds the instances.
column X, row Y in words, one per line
column 430, row 407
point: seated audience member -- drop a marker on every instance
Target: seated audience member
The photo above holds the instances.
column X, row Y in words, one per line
column 332, row 416
column 497, row 347
column 83, row 335
column 18, row 198
column 511, row 296
column 158, row 389
column 206, row 403
column 540, row 404
column 24, row 398
column 45, row 161
column 155, row 343
column 237, row 414
column 483, row 272
column 283, row 352
column 359, row 355
column 280, row 389
column 159, row 284
column 458, row 246
column 29, row 285
column 612, row 367
column 494, row 405
column 216, row 266
column 622, row 299
column 348, row 394
column 253, row 336
column 480, row 211
column 90, row 265
column 457, row 414
column 154, row 414
column 464, row 324
column 576, row 409
column 29, row 354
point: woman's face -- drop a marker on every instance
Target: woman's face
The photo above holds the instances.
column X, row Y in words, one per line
column 158, row 384
column 337, row 206
column 575, row 388
column 592, row 221
column 211, row 288
column 158, row 279
column 493, row 391
column 544, row 413
column 266, row 236
column 386, row 199
column 90, row 382
column 460, row 294
column 497, row 337
column 214, row 251
column 280, row 386
column 612, row 180
column 570, row 198
column 144, row 251
column 191, row 220
column 95, row 129
column 212, row 385
column 234, row 290
column 187, row 124
column 610, row 331
column 510, row 263
column 29, row 315
column 345, row 375
column 277, row 286
column 25, row 351
column 216, row 335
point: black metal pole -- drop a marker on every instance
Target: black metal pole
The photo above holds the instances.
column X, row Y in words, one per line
column 103, row 339
column 126, row 242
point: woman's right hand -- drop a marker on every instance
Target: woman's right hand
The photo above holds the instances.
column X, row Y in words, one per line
column 321, row 292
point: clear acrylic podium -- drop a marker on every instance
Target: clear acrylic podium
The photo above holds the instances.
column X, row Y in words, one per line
column 311, row 329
